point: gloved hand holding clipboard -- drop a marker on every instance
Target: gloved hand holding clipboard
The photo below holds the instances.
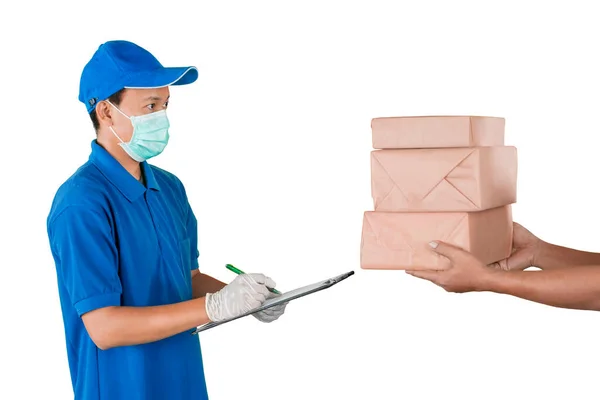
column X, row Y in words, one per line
column 284, row 298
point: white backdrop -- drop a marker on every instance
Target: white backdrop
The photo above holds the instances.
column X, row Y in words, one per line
column 272, row 143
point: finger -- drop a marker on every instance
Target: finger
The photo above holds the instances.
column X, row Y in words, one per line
column 448, row 250
column 256, row 291
column 255, row 278
column 273, row 315
column 253, row 289
column 262, row 279
column 275, row 310
column 269, row 318
column 269, row 282
column 432, row 276
column 256, row 298
column 269, row 312
column 273, row 295
column 519, row 260
column 261, row 291
column 279, row 311
column 501, row 265
column 253, row 303
column 263, row 316
column 259, row 317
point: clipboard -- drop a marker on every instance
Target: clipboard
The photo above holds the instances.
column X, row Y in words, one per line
column 284, row 298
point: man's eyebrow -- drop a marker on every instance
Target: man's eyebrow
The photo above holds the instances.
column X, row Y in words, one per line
column 155, row 98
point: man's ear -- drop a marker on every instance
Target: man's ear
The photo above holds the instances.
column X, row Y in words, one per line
column 104, row 113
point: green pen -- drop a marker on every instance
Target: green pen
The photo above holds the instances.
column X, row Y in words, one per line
column 240, row 272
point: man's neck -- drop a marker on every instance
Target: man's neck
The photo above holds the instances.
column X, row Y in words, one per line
column 130, row 165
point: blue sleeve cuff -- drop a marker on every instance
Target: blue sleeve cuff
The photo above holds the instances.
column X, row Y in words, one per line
column 95, row 302
column 195, row 261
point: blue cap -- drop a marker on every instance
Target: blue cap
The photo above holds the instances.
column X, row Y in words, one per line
column 120, row 64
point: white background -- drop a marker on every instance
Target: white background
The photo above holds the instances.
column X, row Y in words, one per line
column 272, row 143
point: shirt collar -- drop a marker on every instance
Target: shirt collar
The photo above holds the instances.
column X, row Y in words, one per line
column 131, row 188
column 151, row 182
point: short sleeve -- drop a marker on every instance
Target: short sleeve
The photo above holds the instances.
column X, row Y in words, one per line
column 87, row 258
column 192, row 231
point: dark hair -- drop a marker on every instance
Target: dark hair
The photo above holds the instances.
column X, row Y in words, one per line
column 114, row 98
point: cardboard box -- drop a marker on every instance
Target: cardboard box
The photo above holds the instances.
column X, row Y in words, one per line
column 399, row 241
column 437, row 132
column 459, row 179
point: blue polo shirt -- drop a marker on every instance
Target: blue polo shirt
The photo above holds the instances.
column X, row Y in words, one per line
column 116, row 242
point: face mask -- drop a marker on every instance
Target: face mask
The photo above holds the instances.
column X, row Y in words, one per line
column 150, row 135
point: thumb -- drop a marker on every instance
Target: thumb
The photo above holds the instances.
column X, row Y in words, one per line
column 447, row 250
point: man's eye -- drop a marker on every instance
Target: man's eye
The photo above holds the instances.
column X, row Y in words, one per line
column 150, row 106
column 166, row 104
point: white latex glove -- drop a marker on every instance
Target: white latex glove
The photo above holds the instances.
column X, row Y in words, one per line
column 273, row 313
column 245, row 292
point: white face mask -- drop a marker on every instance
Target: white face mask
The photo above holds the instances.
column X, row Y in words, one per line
column 150, row 135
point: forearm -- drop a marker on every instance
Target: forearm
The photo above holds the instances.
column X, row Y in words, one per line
column 551, row 256
column 124, row 326
column 577, row 287
column 202, row 284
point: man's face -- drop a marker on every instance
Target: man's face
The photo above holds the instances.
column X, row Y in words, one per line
column 136, row 102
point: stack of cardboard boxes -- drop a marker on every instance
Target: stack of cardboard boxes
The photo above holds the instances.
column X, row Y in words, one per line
column 448, row 178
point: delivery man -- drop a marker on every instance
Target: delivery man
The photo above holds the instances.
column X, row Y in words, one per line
column 124, row 240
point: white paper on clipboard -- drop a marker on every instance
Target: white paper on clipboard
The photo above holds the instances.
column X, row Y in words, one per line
column 284, row 298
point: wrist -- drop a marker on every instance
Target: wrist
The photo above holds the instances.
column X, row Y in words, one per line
column 211, row 306
column 540, row 253
column 490, row 280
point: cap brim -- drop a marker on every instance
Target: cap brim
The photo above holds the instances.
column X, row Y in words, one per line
column 163, row 77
